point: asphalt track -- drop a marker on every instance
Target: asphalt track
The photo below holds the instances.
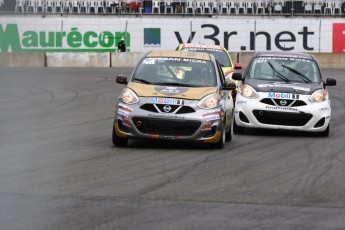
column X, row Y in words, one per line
column 59, row 169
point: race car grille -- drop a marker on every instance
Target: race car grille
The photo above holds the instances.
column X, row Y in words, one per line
column 185, row 109
column 282, row 118
column 159, row 108
column 282, row 102
column 166, row 127
column 298, row 103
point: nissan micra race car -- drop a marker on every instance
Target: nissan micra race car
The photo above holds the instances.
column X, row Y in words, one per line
column 175, row 95
column 285, row 91
column 220, row 53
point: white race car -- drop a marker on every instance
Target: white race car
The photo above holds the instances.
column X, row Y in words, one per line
column 282, row 90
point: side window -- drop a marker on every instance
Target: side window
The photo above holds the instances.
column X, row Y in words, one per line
column 220, row 72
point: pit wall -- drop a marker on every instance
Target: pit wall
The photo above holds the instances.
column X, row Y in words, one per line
column 128, row 59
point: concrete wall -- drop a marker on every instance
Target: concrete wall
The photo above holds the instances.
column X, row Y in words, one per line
column 78, row 59
column 326, row 60
column 22, row 59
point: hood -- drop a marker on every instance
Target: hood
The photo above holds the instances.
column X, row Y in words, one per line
column 193, row 93
column 284, row 87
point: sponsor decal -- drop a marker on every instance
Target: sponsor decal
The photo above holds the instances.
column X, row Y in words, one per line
column 212, row 117
column 280, row 108
column 241, row 102
column 283, row 95
column 170, row 90
column 124, row 107
column 283, row 58
column 165, row 116
column 202, row 46
column 168, row 101
column 211, row 113
column 284, row 86
column 156, row 136
column 59, row 41
column 123, row 113
column 325, row 109
column 151, row 61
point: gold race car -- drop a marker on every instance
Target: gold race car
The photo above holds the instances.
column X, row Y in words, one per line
column 175, row 95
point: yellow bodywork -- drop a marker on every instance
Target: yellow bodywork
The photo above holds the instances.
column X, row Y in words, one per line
column 215, row 138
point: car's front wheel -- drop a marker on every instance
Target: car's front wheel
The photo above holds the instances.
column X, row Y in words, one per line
column 221, row 142
column 324, row 133
column 238, row 129
column 118, row 141
column 228, row 134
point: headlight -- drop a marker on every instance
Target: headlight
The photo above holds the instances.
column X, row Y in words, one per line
column 128, row 96
column 248, row 91
column 319, row 96
column 209, row 102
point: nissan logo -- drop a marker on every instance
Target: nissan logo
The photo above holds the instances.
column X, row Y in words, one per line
column 167, row 108
column 283, row 102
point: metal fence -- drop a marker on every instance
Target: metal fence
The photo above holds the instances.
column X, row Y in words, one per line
column 333, row 8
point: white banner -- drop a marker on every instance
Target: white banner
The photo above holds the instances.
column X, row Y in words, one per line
column 237, row 34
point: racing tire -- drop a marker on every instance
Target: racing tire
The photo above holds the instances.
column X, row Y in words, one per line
column 118, row 141
column 228, row 134
column 238, row 129
column 221, row 142
column 323, row 133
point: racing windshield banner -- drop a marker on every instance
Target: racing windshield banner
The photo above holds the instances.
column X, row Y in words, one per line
column 56, row 34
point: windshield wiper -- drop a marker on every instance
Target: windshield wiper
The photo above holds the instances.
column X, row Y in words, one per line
column 142, row 80
column 281, row 76
column 301, row 75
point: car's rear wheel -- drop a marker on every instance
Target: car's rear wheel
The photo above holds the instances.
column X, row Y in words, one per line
column 118, row 141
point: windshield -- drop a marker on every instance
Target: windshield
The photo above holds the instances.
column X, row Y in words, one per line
column 176, row 72
column 287, row 69
column 220, row 55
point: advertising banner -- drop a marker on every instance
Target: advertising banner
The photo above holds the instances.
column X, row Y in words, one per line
column 102, row 34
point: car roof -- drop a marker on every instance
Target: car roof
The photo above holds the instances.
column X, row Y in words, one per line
column 284, row 54
column 179, row 54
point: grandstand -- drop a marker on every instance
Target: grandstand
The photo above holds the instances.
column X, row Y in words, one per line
column 209, row 8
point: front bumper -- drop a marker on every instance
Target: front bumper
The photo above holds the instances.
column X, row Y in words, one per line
column 187, row 122
column 304, row 116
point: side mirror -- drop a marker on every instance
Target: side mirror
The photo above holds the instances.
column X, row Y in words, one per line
column 237, row 76
column 121, row 79
column 229, row 85
column 331, row 82
column 238, row 66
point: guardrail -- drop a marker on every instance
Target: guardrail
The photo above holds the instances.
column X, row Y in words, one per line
column 125, row 59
